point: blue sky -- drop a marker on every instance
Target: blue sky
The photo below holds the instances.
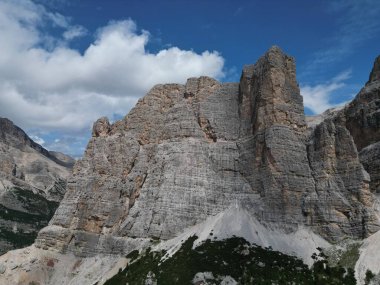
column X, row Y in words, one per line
column 64, row 63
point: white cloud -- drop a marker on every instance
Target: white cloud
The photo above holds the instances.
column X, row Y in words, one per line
column 59, row 20
column 46, row 85
column 38, row 140
column 74, row 32
column 318, row 97
column 356, row 23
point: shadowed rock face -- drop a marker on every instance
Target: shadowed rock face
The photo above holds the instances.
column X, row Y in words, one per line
column 32, row 182
column 362, row 115
column 363, row 121
column 370, row 158
column 338, row 167
column 186, row 152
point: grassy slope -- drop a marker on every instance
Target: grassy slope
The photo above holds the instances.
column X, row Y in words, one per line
column 40, row 211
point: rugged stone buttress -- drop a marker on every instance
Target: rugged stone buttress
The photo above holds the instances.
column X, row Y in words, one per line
column 186, row 151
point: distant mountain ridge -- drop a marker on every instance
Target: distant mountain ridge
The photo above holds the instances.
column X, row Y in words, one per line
column 32, row 182
column 15, row 136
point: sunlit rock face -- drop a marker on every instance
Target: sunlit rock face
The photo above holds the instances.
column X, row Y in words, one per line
column 186, row 152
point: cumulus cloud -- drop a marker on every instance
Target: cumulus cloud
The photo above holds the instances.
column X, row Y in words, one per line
column 318, row 98
column 38, row 140
column 46, row 85
column 74, row 32
column 357, row 22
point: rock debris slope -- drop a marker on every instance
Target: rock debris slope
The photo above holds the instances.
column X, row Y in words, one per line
column 187, row 152
column 32, row 182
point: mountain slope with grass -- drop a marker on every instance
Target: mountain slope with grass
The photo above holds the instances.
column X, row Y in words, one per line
column 32, row 183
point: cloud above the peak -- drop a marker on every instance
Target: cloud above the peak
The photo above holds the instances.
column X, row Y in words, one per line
column 38, row 140
column 47, row 85
column 318, row 98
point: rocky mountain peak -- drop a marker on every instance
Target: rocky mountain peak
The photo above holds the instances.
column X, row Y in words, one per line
column 185, row 153
column 101, row 127
column 194, row 148
column 375, row 73
column 12, row 135
column 15, row 136
column 275, row 57
column 195, row 85
column 270, row 94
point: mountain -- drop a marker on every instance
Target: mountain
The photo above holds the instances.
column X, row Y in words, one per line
column 32, row 183
column 176, row 165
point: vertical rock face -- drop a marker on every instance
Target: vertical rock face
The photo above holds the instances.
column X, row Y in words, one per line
column 274, row 153
column 342, row 201
column 341, row 181
column 186, row 152
column 271, row 90
column 370, row 158
column 362, row 115
column 362, row 119
column 32, row 182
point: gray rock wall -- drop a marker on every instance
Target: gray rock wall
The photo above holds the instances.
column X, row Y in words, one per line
column 186, row 152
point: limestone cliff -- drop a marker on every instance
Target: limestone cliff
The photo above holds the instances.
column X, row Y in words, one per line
column 345, row 141
column 187, row 152
column 32, row 182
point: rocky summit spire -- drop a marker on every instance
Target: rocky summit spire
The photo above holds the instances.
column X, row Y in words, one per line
column 375, row 73
column 272, row 111
column 273, row 92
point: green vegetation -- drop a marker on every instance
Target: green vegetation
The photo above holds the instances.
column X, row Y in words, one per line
column 37, row 208
column 36, row 213
column 368, row 277
column 246, row 263
column 133, row 255
column 35, row 203
column 344, row 254
column 18, row 239
column 350, row 256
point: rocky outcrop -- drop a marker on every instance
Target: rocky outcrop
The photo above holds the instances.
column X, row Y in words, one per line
column 370, row 158
column 341, row 181
column 101, row 127
column 62, row 159
column 362, row 119
column 273, row 153
column 341, row 201
column 186, row 151
column 32, row 182
column 362, row 115
column 375, row 73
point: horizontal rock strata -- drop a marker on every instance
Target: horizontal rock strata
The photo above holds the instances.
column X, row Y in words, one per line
column 186, row 152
